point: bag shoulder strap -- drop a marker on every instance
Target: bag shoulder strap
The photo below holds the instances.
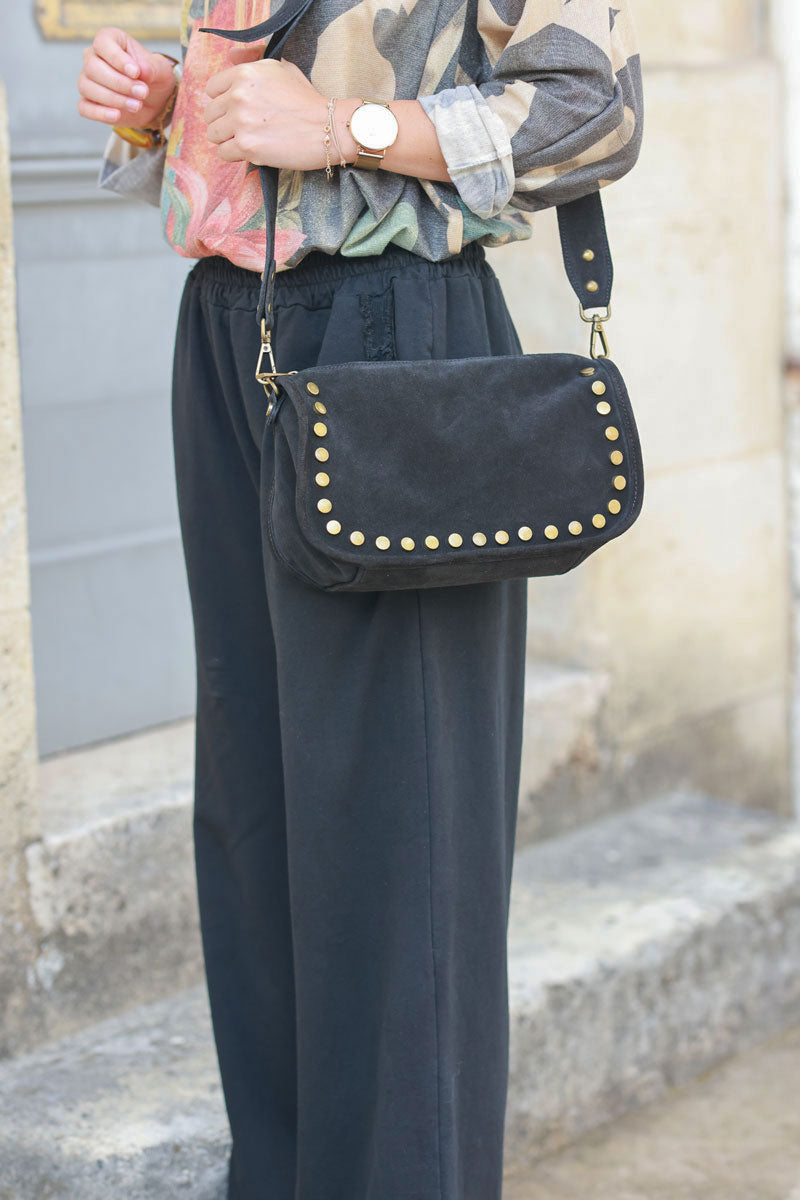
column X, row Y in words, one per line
column 581, row 223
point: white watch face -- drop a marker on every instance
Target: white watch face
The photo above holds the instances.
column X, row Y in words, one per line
column 373, row 126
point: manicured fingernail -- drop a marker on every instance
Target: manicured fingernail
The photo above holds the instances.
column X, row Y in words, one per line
column 133, row 105
column 140, row 90
column 131, row 69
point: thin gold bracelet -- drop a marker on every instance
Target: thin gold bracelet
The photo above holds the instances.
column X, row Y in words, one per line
column 342, row 160
column 326, row 140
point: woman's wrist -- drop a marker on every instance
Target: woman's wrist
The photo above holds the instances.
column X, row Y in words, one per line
column 416, row 150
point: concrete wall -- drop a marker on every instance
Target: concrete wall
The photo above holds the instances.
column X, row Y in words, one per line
column 110, row 611
column 19, row 822
column 689, row 610
column 785, row 16
column 785, row 30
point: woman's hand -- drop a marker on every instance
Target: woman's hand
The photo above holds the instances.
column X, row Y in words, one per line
column 122, row 81
column 266, row 112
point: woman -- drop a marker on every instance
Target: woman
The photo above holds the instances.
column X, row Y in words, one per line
column 358, row 754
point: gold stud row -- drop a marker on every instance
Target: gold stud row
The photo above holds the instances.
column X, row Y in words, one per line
column 501, row 536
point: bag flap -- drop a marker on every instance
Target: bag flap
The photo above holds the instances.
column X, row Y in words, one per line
column 496, row 455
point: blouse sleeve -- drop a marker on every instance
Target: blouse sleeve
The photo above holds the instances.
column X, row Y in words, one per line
column 557, row 113
column 135, row 171
column 132, row 171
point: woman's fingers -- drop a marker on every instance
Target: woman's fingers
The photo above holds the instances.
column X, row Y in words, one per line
column 247, row 53
column 121, row 77
column 99, row 72
column 220, row 82
column 208, row 110
column 119, row 50
column 230, row 152
column 98, row 112
column 108, row 97
column 221, row 130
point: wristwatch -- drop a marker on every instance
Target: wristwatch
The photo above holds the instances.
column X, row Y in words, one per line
column 374, row 128
column 153, row 135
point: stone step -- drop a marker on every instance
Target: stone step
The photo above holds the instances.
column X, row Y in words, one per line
column 112, row 880
column 643, row 948
column 561, row 783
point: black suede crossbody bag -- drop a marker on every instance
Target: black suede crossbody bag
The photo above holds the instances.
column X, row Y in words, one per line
column 410, row 474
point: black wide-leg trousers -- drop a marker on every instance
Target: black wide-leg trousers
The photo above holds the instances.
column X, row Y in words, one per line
column 358, row 760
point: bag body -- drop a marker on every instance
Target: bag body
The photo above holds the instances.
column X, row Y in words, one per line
column 395, row 474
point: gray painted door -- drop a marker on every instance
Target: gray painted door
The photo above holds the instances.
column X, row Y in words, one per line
column 98, row 292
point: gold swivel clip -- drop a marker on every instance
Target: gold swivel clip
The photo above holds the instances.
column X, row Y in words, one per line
column 267, row 377
column 597, row 317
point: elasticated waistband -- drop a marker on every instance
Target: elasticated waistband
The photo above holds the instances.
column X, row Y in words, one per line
column 318, row 267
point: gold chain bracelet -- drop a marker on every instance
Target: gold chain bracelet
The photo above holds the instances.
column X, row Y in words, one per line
column 326, row 140
column 330, row 128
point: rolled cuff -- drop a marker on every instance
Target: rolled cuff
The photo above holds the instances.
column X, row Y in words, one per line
column 476, row 147
column 133, row 171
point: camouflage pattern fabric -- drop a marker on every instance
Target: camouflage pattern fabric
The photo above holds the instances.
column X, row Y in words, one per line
column 535, row 102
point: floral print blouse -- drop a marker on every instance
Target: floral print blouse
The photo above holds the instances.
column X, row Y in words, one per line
column 535, row 102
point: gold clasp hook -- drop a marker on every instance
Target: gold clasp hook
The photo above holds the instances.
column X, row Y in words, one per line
column 267, row 378
column 597, row 317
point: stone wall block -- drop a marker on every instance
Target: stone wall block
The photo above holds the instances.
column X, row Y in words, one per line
column 698, row 32
column 19, row 815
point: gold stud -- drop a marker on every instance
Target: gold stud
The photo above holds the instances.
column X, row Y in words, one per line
column 357, row 537
column 588, row 256
column 501, row 536
column 407, row 543
column 319, row 407
column 382, row 542
column 603, row 407
column 320, row 428
column 322, row 479
column 616, row 457
column 612, row 433
column 598, row 520
column 321, row 454
column 455, row 539
column 598, row 387
column 525, row 533
column 432, row 542
column 479, row 539
column 619, row 482
column 334, row 527
column 551, row 531
column 312, row 387
column 614, row 506
column 587, row 371
column 592, row 285
column 324, row 505
column 575, row 527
